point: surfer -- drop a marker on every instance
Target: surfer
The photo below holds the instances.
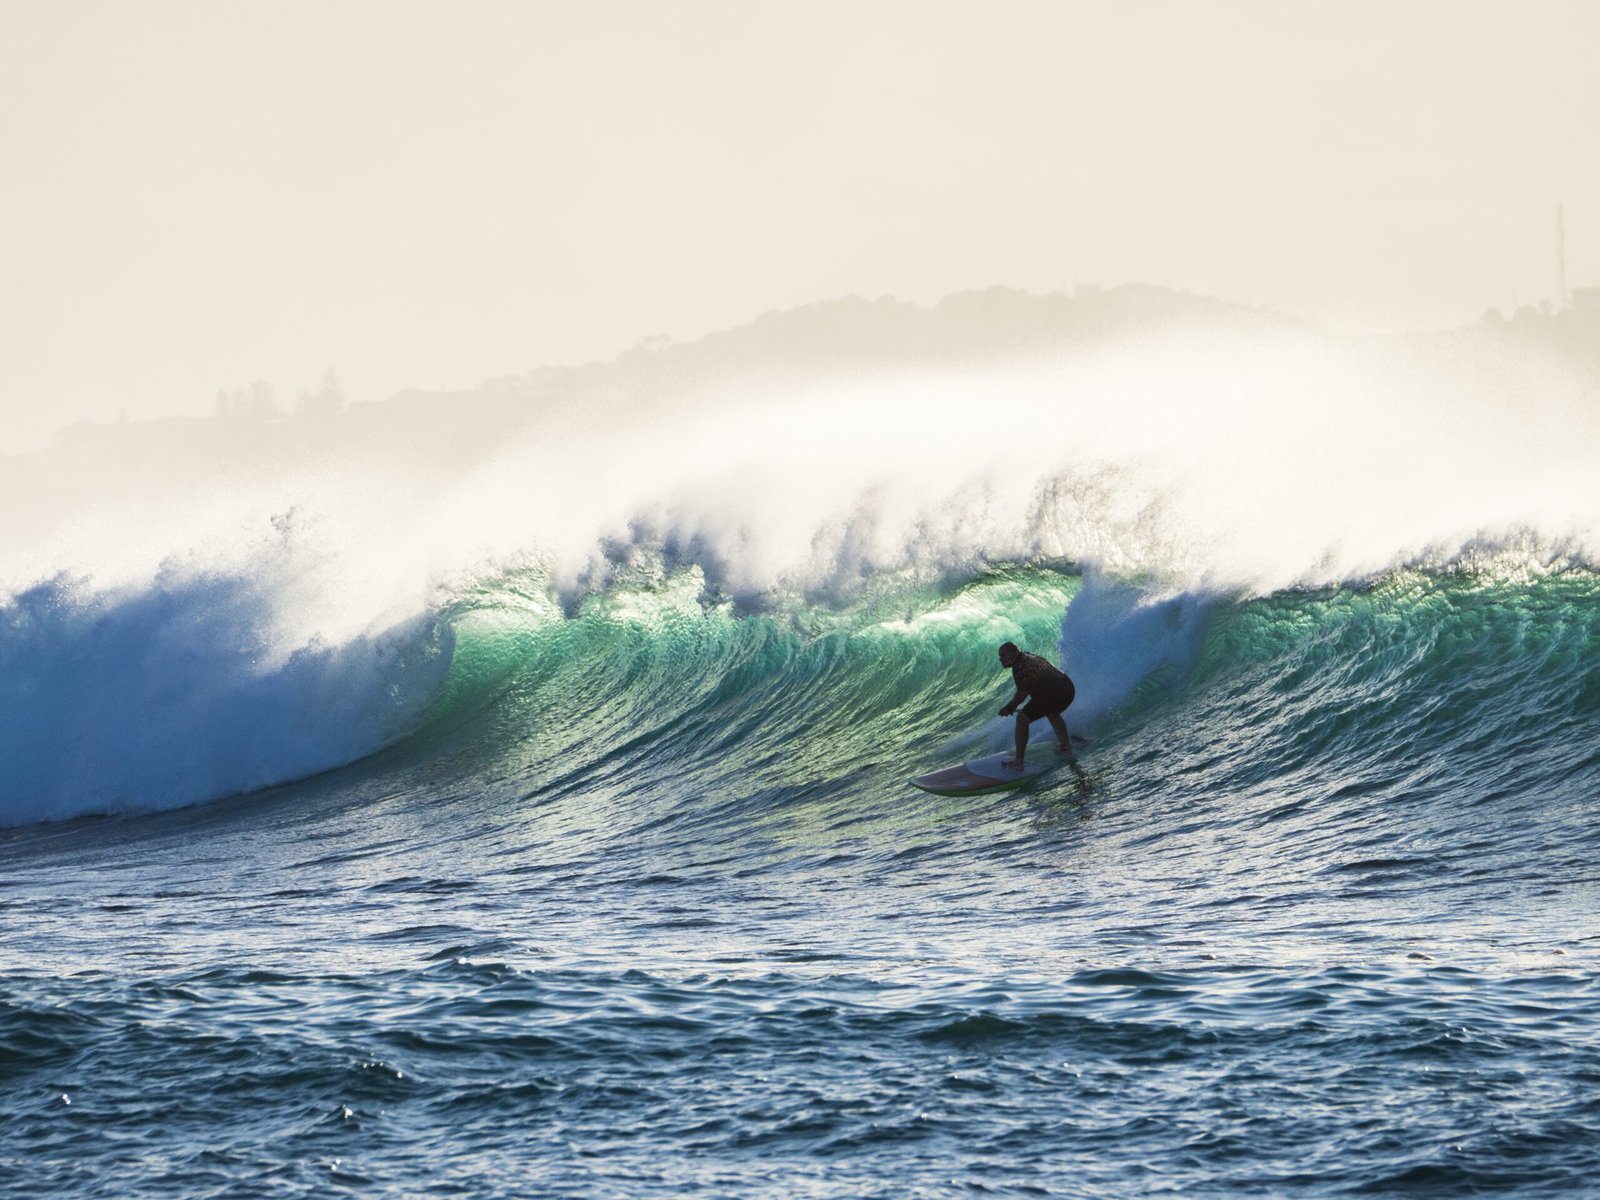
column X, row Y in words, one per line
column 1049, row 692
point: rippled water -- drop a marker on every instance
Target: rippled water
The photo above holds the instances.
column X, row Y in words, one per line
column 649, row 910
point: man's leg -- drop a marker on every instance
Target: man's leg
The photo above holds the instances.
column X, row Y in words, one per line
column 1022, row 743
column 1060, row 726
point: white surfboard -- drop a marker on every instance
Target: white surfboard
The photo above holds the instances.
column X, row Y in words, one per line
column 987, row 775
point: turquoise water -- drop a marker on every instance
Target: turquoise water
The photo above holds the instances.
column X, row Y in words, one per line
column 639, row 903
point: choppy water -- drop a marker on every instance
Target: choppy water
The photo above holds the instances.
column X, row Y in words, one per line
column 644, row 907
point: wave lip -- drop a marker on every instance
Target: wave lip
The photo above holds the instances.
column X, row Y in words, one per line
column 190, row 689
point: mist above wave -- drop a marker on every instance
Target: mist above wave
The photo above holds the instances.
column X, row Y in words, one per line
column 1141, row 430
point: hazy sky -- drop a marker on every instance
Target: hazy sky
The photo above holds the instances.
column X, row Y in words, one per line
column 197, row 195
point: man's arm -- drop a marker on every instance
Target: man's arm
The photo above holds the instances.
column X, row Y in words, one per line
column 1012, row 707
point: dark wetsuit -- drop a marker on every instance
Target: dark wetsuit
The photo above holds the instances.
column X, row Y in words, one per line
column 1048, row 689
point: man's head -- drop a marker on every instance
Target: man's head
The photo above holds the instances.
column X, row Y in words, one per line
column 1008, row 655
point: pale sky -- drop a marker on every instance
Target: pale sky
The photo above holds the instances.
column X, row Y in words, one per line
column 198, row 195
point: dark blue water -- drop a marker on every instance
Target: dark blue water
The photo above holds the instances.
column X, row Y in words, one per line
column 645, row 908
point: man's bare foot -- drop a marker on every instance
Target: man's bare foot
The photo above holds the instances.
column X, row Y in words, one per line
column 1011, row 764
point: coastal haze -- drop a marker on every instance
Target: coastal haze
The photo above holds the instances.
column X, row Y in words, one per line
column 200, row 197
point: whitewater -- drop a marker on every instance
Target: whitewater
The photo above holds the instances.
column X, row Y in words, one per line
column 505, row 794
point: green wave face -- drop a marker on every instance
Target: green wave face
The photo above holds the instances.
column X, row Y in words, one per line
column 1449, row 648
column 663, row 678
column 1427, row 680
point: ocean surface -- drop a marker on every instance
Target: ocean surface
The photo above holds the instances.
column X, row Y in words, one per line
column 647, row 908
column 600, row 875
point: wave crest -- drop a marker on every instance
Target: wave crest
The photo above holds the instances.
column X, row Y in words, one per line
column 189, row 689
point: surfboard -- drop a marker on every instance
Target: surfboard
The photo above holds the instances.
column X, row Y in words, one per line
column 987, row 775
